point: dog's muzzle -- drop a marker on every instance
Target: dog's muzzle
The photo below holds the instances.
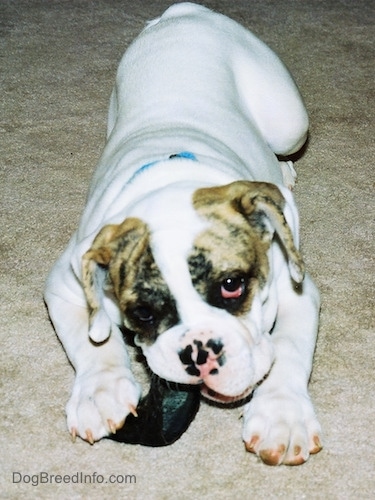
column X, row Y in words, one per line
column 205, row 360
column 226, row 363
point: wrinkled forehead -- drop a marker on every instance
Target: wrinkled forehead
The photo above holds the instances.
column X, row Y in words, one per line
column 158, row 203
column 179, row 233
column 173, row 222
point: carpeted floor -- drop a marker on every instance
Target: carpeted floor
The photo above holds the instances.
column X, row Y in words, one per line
column 58, row 60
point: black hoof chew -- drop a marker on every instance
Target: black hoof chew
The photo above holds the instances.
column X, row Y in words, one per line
column 163, row 415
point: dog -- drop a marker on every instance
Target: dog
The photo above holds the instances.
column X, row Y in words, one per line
column 189, row 239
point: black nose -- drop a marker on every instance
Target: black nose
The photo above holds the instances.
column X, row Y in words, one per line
column 198, row 356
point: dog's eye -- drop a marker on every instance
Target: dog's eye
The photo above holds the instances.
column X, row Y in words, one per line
column 232, row 288
column 144, row 314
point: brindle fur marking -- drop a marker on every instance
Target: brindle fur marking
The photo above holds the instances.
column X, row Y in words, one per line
column 257, row 203
column 109, row 241
column 124, row 250
column 149, row 290
column 212, row 261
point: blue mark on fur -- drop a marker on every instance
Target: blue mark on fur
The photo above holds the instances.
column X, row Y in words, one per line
column 184, row 154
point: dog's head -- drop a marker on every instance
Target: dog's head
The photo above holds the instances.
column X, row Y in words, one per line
column 192, row 274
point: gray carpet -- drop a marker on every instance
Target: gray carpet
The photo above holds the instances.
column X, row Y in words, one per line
column 58, row 60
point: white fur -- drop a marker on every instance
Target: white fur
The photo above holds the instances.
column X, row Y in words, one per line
column 174, row 225
column 233, row 105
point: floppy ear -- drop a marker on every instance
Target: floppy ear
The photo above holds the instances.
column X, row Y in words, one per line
column 262, row 204
column 94, row 263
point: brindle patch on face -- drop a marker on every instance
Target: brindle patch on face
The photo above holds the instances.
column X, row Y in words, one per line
column 234, row 248
column 228, row 251
column 261, row 205
column 143, row 296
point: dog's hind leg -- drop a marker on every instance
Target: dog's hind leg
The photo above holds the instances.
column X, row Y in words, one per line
column 271, row 98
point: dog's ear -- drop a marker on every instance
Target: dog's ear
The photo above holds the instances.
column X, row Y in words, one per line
column 95, row 262
column 262, row 204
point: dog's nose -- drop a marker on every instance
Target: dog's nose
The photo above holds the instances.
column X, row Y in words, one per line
column 201, row 359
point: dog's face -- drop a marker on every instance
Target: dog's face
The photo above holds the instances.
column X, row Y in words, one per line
column 190, row 272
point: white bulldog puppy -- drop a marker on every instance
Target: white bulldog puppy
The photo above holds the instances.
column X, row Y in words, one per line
column 190, row 239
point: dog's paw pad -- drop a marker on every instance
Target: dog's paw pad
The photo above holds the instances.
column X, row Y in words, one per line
column 273, row 456
column 284, row 453
column 281, row 430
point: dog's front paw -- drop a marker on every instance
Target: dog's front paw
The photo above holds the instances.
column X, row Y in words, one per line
column 100, row 403
column 281, row 428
